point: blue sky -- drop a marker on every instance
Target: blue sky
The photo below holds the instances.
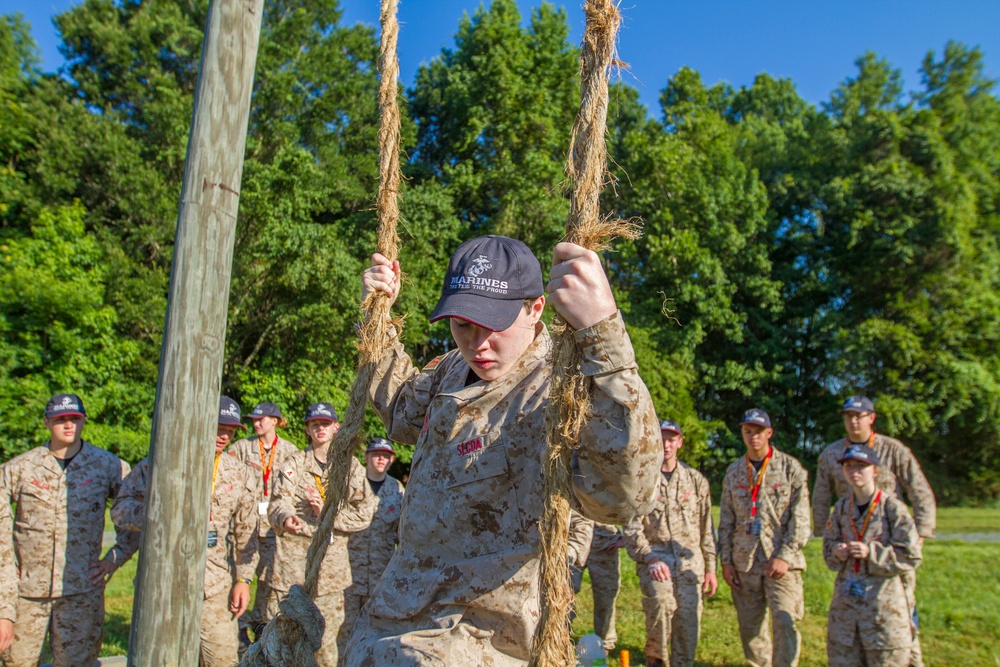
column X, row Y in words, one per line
column 813, row 42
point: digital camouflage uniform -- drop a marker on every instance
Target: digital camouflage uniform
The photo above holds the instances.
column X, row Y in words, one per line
column 603, row 563
column 247, row 450
column 581, row 533
column 296, row 484
column 47, row 548
column 870, row 625
column 680, row 533
column 462, row 589
column 783, row 508
column 232, row 558
column 371, row 549
column 899, row 474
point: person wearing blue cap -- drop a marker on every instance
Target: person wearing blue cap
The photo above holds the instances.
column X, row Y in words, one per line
column 900, row 475
column 763, row 527
column 371, row 549
column 463, row 586
column 296, row 502
column 52, row 576
column 674, row 552
column 232, row 539
column 264, row 452
column 870, row 541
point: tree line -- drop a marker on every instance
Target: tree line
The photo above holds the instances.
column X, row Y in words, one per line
column 792, row 254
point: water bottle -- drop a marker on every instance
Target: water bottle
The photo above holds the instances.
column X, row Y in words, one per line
column 590, row 651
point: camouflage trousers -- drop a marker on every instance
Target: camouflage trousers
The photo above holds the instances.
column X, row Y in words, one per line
column 336, row 633
column 443, row 641
column 757, row 595
column 855, row 655
column 258, row 615
column 75, row 624
column 910, row 586
column 219, row 632
column 673, row 615
column 605, row 581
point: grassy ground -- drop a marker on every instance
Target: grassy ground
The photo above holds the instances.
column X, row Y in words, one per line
column 958, row 592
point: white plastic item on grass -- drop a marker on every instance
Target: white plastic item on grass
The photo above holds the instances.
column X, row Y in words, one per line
column 590, row 651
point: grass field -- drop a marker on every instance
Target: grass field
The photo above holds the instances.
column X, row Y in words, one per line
column 958, row 592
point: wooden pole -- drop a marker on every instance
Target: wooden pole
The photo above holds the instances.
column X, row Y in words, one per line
column 170, row 586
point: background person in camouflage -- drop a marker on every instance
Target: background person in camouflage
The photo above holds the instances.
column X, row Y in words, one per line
column 581, row 533
column 296, row 502
column 52, row 576
column 371, row 549
column 602, row 560
column 763, row 527
column 899, row 474
column 462, row 589
column 264, row 452
column 869, row 541
column 232, row 539
column 674, row 550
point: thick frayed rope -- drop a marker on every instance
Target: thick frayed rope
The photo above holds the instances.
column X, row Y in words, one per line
column 376, row 332
column 570, row 393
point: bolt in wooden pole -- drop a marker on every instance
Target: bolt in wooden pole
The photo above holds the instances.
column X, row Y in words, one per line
column 167, row 608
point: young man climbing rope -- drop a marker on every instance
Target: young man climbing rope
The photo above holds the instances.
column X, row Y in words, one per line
column 462, row 588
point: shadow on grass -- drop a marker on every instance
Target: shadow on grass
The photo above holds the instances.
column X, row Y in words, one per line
column 116, row 630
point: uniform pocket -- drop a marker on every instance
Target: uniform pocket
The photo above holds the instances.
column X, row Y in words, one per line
column 482, row 506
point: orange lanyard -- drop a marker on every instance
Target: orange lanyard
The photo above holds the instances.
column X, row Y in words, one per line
column 864, row 527
column 319, row 487
column 265, row 463
column 215, row 475
column 755, row 488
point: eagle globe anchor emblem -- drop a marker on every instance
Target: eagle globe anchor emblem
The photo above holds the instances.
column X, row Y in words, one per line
column 480, row 265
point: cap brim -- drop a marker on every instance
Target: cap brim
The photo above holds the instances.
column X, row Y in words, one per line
column 670, row 429
column 851, row 458
column 491, row 314
column 65, row 414
column 320, row 419
column 857, row 410
column 381, row 449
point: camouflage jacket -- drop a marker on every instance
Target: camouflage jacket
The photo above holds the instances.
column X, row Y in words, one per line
column 56, row 534
column 899, row 474
column 878, row 612
column 581, row 534
column 233, row 519
column 371, row 549
column 469, row 540
column 298, row 482
column 679, row 530
column 782, row 507
column 247, row 451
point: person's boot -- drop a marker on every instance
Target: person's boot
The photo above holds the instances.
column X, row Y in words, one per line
column 245, row 642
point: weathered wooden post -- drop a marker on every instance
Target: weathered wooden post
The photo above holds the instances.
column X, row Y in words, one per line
column 167, row 608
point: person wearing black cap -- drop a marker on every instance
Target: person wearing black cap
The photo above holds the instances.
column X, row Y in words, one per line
column 900, row 474
column 463, row 586
column 870, row 541
column 232, row 539
column 763, row 527
column 296, row 501
column 674, row 552
column 264, row 452
column 52, row 576
column 371, row 549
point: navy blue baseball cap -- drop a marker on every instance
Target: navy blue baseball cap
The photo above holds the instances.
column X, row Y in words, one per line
column 229, row 412
column 756, row 416
column 858, row 404
column 265, row 409
column 323, row 411
column 671, row 425
column 379, row 445
column 862, row 453
column 62, row 405
column 488, row 279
